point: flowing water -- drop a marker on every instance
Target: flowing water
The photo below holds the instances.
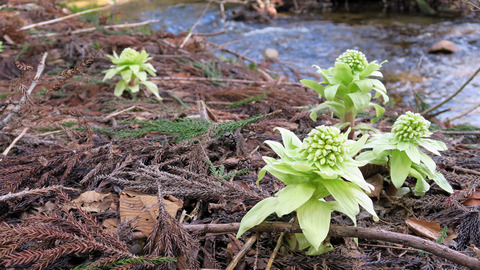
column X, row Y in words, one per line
column 317, row 39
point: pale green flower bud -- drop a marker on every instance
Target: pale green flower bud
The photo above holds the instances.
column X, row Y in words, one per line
column 355, row 59
column 325, row 145
column 411, row 126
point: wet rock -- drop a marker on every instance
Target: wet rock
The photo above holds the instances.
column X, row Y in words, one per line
column 443, row 47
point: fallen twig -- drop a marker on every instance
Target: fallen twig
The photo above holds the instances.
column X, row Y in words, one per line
column 37, row 191
column 220, row 80
column 14, row 142
column 90, row 29
column 465, row 170
column 67, row 17
column 344, row 231
column 242, row 252
column 187, row 38
column 424, row 113
column 40, row 69
column 275, row 251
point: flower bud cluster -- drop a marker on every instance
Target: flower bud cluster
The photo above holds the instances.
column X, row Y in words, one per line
column 355, row 59
column 410, row 126
column 325, row 145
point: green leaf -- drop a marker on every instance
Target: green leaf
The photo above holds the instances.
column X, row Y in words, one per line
column 369, row 69
column 142, row 76
column 331, row 91
column 360, row 100
column 413, row 152
column 134, row 88
column 135, row 69
column 342, row 192
column 357, row 146
column 292, row 197
column 337, row 108
column 364, row 201
column 110, row 74
column 343, row 73
column 126, row 75
column 379, row 111
column 380, row 88
column 314, row 219
column 149, row 68
column 290, row 140
column 121, row 85
column 421, row 187
column 400, row 166
column 440, row 180
column 428, row 161
column 350, row 171
column 365, row 85
column 257, row 214
column 324, row 248
column 277, row 148
column 433, row 145
column 152, row 87
column 317, row 87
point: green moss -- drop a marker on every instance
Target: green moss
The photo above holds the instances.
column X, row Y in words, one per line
column 247, row 100
column 179, row 129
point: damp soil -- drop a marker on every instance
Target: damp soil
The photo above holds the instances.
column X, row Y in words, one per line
column 200, row 148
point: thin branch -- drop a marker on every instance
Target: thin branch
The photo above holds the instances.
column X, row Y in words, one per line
column 67, row 17
column 343, row 231
column 457, row 168
column 248, row 245
column 90, row 29
column 40, row 69
column 221, row 80
column 187, row 38
column 37, row 191
column 452, row 96
column 14, row 142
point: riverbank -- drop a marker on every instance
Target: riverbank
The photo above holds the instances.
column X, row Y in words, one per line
column 88, row 177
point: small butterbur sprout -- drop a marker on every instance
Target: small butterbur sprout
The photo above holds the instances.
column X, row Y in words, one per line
column 1, row 46
column 400, row 149
column 133, row 68
column 347, row 87
column 320, row 166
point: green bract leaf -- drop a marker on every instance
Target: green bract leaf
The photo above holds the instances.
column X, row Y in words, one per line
column 153, row 88
column 290, row 140
column 440, row 180
column 109, row 74
column 364, row 200
column 379, row 110
column 317, row 87
column 277, row 148
column 257, row 214
column 314, row 219
column 343, row 194
column 421, row 186
column 292, row 197
column 121, row 85
column 399, row 167
column 126, row 75
column 433, row 145
column 331, row 91
column 360, row 101
column 134, row 88
column 369, row 69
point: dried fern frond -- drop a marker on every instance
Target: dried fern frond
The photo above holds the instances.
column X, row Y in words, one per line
column 41, row 240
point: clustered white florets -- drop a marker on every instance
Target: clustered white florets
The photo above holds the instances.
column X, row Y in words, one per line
column 324, row 145
column 411, row 126
column 355, row 59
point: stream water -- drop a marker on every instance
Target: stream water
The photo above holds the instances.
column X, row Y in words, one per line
column 317, row 39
